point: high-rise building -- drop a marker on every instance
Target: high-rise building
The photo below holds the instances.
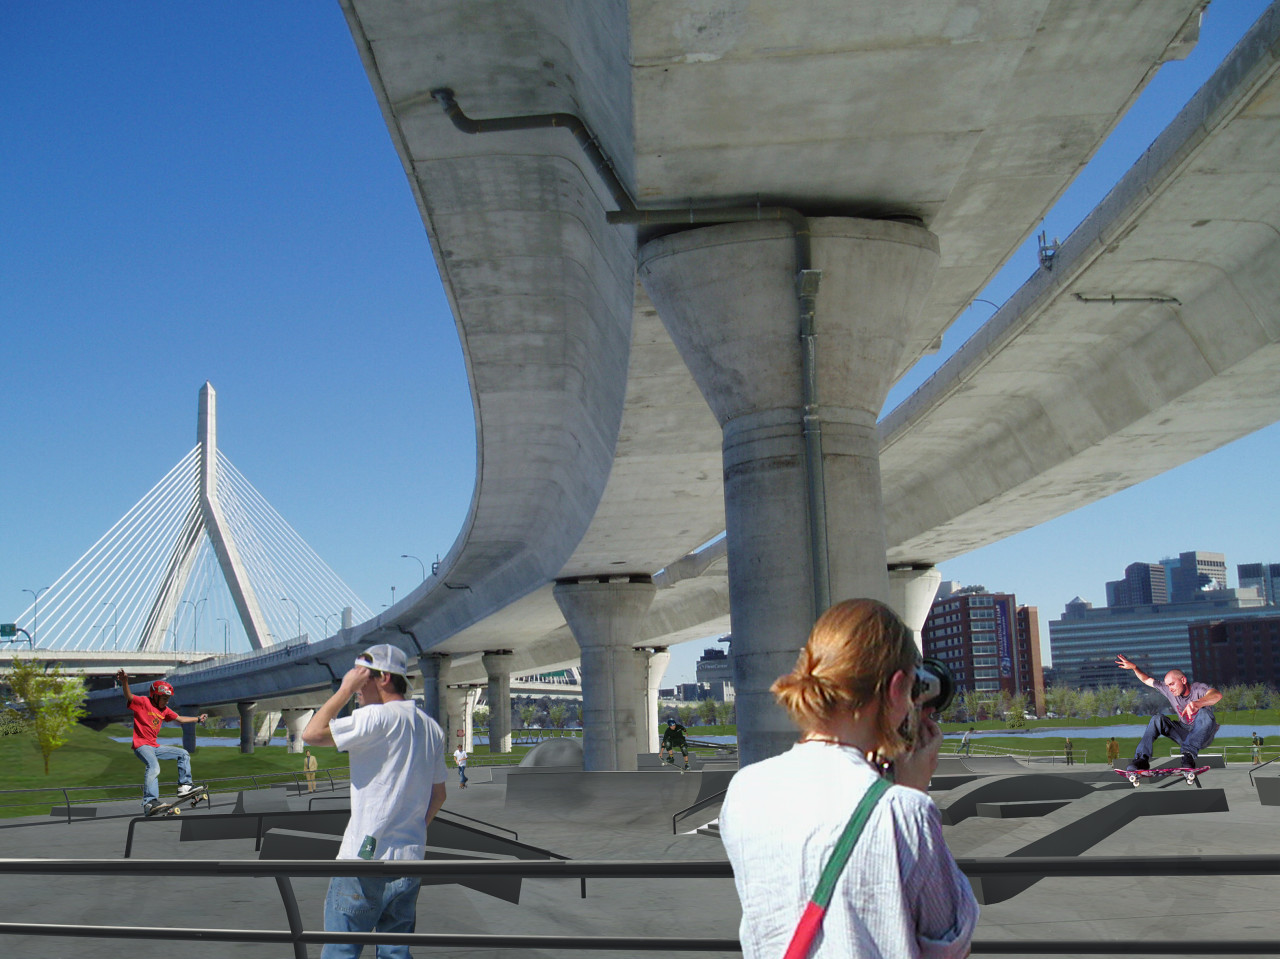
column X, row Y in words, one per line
column 1143, row 584
column 1264, row 576
column 989, row 643
column 1238, row 651
column 1197, row 572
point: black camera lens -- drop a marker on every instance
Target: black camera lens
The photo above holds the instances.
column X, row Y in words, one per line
column 933, row 688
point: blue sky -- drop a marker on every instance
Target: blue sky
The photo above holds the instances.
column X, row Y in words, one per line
column 208, row 192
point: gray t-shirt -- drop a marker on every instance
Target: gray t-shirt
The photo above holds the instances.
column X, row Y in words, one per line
column 1179, row 703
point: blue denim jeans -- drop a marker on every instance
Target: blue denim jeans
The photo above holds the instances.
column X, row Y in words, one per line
column 150, row 757
column 462, row 775
column 1192, row 738
column 370, row 904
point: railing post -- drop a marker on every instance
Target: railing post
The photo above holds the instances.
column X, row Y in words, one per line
column 293, row 916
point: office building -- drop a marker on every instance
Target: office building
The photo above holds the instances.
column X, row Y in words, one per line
column 1085, row 640
column 1197, row 572
column 1143, row 584
column 989, row 643
column 1265, row 577
column 1239, row 651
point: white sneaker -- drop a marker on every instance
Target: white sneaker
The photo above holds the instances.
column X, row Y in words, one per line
column 185, row 788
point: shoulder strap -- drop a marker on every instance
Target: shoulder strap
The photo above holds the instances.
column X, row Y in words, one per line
column 816, row 909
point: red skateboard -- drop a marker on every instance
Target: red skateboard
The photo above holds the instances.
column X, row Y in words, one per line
column 1191, row 774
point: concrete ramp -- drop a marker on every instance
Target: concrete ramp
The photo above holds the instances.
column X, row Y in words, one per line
column 640, row 798
column 1081, row 824
column 963, row 801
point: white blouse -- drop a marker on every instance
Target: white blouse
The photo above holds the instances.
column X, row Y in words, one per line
column 901, row 893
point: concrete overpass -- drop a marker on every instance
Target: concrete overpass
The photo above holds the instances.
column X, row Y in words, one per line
column 917, row 152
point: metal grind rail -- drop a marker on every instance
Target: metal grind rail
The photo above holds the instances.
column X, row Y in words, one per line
column 299, row 937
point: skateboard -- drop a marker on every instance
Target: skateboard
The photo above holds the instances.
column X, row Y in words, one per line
column 174, row 808
column 1192, row 775
column 672, row 764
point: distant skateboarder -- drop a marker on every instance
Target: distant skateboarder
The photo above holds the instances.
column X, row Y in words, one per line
column 673, row 739
column 460, row 757
column 1192, row 703
column 965, row 741
column 149, row 712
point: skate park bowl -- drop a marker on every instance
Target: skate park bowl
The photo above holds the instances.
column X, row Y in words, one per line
column 643, row 798
column 555, row 752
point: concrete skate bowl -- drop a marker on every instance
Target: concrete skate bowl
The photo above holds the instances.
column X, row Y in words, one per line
column 555, row 752
column 955, row 771
column 641, row 799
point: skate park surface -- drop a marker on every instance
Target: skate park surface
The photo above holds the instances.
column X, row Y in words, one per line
column 620, row 816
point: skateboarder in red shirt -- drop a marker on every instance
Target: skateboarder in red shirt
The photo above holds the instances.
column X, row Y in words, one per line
column 149, row 712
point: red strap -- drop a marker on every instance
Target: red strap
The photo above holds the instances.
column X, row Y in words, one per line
column 806, row 932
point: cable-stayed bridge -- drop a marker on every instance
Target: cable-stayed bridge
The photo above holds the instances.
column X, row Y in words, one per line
column 201, row 565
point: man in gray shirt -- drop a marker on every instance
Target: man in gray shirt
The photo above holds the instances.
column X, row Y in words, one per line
column 1193, row 704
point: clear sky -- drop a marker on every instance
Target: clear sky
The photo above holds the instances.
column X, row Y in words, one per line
column 208, row 192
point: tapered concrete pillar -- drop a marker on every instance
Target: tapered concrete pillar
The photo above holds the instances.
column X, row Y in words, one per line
column 435, row 670
column 497, row 666
column 728, row 296
column 605, row 619
column 459, row 702
column 295, row 721
column 911, row 592
column 656, row 669
column 246, row 725
column 189, row 737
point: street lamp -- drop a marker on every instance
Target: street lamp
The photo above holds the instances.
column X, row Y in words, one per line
column 115, row 635
column 35, row 601
column 393, row 595
column 226, row 643
column 193, row 616
column 286, row 599
column 420, row 563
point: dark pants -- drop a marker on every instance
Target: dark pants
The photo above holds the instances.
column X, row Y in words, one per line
column 1191, row 737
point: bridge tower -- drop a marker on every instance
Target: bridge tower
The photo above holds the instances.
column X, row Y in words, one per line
column 204, row 518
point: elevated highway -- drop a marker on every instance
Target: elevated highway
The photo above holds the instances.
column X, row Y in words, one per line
column 946, row 128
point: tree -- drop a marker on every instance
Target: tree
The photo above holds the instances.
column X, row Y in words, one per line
column 686, row 714
column 480, row 716
column 972, row 700
column 726, row 715
column 527, row 715
column 557, row 714
column 54, row 702
column 1017, row 711
column 707, row 711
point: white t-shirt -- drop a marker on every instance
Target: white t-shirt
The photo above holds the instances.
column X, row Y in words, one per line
column 460, row 756
column 900, row 895
column 397, row 754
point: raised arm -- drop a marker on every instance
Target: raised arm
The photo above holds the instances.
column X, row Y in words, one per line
column 1125, row 663
column 317, row 731
column 123, row 679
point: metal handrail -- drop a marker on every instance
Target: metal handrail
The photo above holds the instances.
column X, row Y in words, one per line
column 298, row 937
column 700, row 804
column 1259, row 766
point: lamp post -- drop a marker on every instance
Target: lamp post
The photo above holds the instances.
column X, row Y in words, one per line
column 286, row 599
column 195, row 630
column 194, row 622
column 115, row 636
column 35, row 601
column 393, row 595
column 226, row 642
column 420, row 563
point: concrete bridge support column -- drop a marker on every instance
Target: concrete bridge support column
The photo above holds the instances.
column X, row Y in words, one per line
column 246, row 725
column 497, row 666
column 457, row 725
column 911, row 592
column 295, row 721
column 803, row 511
column 657, row 668
column 189, row 737
column 435, row 669
column 605, row 618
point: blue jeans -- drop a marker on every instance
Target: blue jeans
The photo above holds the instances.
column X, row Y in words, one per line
column 150, row 757
column 1192, row 738
column 462, row 775
column 370, row 904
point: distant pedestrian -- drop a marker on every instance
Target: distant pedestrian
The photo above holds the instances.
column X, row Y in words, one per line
column 1070, row 760
column 460, row 757
column 1113, row 751
column 1256, row 743
column 310, row 766
column 964, row 741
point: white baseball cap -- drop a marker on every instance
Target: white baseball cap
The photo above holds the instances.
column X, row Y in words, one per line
column 385, row 658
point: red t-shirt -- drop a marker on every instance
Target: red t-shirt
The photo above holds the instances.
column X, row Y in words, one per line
column 147, row 720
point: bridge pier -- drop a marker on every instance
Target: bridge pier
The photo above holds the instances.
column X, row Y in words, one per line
column 189, row 737
column 435, row 670
column 457, row 725
column 656, row 669
column 605, row 619
column 497, row 666
column 295, row 721
column 245, row 710
column 911, row 592
column 796, row 372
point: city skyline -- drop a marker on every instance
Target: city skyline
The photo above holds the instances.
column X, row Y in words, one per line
column 211, row 194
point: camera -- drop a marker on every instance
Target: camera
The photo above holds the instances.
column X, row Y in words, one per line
column 933, row 687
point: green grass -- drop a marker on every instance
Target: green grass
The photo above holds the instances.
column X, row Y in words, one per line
column 93, row 759
column 1236, row 717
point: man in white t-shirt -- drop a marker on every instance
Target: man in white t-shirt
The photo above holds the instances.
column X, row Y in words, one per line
column 397, row 786
column 460, row 757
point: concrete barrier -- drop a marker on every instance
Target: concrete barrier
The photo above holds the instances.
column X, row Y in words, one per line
column 1268, row 788
column 640, row 798
column 962, row 801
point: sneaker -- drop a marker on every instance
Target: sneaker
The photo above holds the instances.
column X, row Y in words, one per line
column 150, row 808
column 1138, row 764
column 185, row 788
column 1188, row 761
